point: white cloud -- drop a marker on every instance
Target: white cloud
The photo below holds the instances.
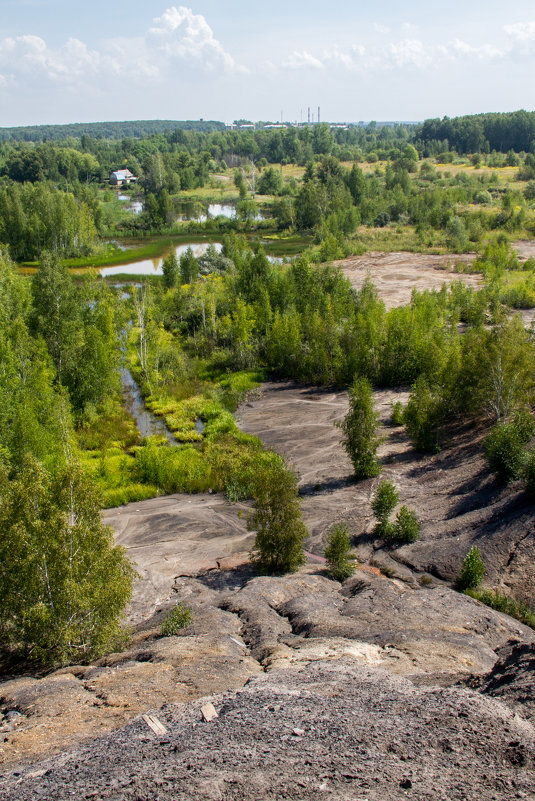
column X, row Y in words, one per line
column 178, row 36
column 485, row 52
column 300, row 59
column 409, row 53
column 381, row 28
column 179, row 33
column 523, row 32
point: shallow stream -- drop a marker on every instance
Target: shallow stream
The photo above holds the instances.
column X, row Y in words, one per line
column 147, row 423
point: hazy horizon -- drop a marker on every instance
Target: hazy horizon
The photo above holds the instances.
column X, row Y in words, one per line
column 61, row 63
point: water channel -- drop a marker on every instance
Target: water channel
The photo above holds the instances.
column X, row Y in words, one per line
column 147, row 423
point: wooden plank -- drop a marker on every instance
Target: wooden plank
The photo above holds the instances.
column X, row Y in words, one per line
column 154, row 724
column 209, row 713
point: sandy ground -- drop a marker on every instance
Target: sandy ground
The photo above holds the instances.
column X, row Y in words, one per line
column 396, row 274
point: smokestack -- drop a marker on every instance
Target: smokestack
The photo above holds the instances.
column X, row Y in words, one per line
column 318, row 115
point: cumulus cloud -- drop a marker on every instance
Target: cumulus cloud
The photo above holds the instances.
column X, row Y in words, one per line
column 179, row 33
column 408, row 53
column 300, row 58
column 523, row 32
column 178, row 36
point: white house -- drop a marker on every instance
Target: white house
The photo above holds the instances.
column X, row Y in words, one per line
column 122, row 177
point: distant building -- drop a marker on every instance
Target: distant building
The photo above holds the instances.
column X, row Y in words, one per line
column 122, row 177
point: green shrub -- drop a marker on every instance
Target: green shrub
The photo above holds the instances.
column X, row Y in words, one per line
column 277, row 520
column 503, row 603
column 383, row 504
column 398, row 415
column 519, row 296
column 406, row 526
column 422, row 416
column 338, row 553
column 524, row 424
column 360, row 430
column 472, row 570
column 483, row 197
column 64, row 583
column 178, row 618
column 529, row 474
column 505, row 451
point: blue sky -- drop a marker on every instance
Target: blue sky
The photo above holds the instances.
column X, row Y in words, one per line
column 66, row 62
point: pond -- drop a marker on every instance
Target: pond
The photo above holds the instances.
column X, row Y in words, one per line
column 154, row 266
column 135, row 206
column 191, row 210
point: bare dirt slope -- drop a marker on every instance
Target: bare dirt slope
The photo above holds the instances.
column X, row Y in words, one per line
column 177, row 535
column 456, row 499
column 396, row 274
column 245, row 626
column 334, row 730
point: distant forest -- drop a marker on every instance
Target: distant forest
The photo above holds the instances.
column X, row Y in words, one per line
column 136, row 129
column 477, row 133
column 481, row 133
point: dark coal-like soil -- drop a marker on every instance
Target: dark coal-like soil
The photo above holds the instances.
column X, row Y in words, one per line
column 331, row 730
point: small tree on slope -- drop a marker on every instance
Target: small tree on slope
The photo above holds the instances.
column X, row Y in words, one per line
column 360, row 430
column 277, row 520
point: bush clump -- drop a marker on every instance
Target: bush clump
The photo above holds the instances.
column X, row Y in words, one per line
column 178, row 618
column 472, row 570
column 398, row 414
column 338, row 553
column 505, row 451
column 383, row 504
column 407, row 527
column 503, row 603
column 360, row 430
column 529, row 474
column 64, row 583
column 277, row 520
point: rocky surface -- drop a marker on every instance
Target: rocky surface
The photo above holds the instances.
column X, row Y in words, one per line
column 323, row 690
column 512, row 678
column 244, row 626
column 333, row 729
column 455, row 497
column 177, row 535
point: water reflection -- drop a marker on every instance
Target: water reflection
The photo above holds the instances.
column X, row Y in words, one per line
column 195, row 211
column 135, row 206
column 154, row 266
column 148, row 424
